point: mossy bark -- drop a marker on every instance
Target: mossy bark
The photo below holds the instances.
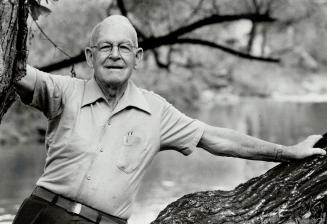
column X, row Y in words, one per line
column 288, row 193
column 13, row 53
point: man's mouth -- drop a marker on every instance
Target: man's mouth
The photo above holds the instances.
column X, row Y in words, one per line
column 114, row 67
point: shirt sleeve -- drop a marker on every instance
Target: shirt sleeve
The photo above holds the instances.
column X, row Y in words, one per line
column 48, row 95
column 178, row 131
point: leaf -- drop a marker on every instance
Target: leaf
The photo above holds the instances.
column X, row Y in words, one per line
column 36, row 9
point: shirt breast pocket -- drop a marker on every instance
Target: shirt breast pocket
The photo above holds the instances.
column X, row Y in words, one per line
column 131, row 152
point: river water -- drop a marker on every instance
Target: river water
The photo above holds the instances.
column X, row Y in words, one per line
column 172, row 175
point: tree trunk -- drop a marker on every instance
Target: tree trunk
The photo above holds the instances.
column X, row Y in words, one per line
column 288, row 193
column 13, row 54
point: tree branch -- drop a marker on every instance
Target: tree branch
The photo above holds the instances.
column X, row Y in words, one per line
column 64, row 63
column 81, row 57
column 214, row 19
column 124, row 12
column 122, row 8
column 153, row 42
column 159, row 62
column 253, row 31
column 225, row 49
column 253, row 34
column 172, row 38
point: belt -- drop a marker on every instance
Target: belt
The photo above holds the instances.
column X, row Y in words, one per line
column 77, row 208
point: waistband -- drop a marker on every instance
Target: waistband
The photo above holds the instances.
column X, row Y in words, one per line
column 74, row 207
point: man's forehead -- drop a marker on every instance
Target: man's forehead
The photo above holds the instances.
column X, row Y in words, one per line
column 117, row 25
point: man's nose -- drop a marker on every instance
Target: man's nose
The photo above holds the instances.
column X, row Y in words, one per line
column 115, row 52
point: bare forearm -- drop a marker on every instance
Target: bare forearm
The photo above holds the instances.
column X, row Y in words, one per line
column 227, row 142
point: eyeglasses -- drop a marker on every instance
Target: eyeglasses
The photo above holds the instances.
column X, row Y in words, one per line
column 123, row 48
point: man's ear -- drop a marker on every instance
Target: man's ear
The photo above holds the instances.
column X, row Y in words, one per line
column 138, row 57
column 89, row 56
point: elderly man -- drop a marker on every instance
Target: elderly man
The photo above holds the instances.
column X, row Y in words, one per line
column 103, row 133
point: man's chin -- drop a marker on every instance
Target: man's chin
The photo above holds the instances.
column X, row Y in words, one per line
column 114, row 77
column 116, row 73
column 115, row 80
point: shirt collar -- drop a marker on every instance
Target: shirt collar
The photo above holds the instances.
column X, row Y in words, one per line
column 92, row 92
column 133, row 97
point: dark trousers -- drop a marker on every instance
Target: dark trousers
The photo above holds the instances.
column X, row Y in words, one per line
column 35, row 210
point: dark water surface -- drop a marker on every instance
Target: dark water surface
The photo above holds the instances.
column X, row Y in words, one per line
column 172, row 175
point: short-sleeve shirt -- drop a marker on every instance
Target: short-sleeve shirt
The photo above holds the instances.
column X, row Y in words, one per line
column 96, row 155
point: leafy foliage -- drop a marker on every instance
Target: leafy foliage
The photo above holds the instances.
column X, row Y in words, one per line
column 36, row 9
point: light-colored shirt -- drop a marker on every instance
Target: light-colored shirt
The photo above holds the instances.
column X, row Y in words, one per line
column 96, row 155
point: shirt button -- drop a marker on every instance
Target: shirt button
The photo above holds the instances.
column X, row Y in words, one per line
column 88, row 177
column 101, row 149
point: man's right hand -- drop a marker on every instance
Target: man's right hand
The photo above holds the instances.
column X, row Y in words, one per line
column 25, row 86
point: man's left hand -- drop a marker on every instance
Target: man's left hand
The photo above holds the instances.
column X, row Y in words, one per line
column 305, row 148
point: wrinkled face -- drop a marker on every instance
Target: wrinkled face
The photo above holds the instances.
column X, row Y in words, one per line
column 113, row 54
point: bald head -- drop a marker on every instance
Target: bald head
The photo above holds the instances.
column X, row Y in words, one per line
column 114, row 22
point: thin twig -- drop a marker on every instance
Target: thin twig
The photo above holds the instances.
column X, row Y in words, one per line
column 124, row 12
column 72, row 71
column 193, row 12
column 158, row 61
column 51, row 41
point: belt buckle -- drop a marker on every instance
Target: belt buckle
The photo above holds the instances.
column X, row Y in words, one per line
column 76, row 208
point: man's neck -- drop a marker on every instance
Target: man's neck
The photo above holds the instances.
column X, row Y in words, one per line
column 113, row 93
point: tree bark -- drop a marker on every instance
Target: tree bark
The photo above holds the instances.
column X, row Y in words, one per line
column 13, row 53
column 288, row 193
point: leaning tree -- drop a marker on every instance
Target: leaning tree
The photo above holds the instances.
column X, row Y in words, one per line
column 288, row 193
column 13, row 53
